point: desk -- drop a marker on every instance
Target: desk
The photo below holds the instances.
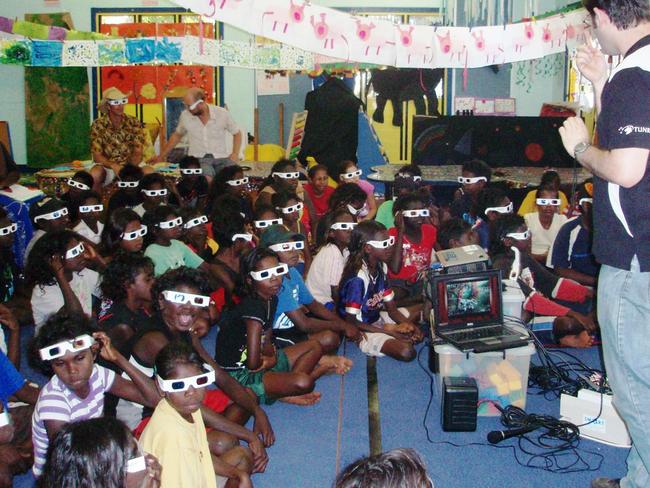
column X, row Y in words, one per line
column 514, row 176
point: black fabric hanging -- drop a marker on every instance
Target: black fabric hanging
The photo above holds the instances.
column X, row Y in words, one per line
column 332, row 129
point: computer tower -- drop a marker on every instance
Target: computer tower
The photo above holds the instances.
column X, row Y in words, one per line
column 459, row 404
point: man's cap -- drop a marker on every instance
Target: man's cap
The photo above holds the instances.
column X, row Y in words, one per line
column 277, row 234
column 114, row 93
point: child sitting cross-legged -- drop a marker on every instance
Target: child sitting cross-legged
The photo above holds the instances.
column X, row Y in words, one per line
column 292, row 324
column 176, row 434
column 364, row 293
column 67, row 348
column 245, row 344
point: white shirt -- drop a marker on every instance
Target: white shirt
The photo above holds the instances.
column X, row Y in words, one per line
column 543, row 238
column 209, row 138
column 325, row 271
column 139, row 209
column 83, row 230
column 47, row 300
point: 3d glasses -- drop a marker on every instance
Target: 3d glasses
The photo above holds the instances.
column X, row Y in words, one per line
column 10, row 229
column 580, row 202
column 57, row 214
column 287, row 246
column 268, row 273
column 183, row 384
column 548, row 201
column 155, row 193
column 343, row 226
column 182, row 298
column 502, row 210
column 463, row 180
column 79, row 343
column 352, row 210
column 192, row 171
column 519, row 236
column 246, row 237
column 263, row 224
column 423, row 212
column 202, row 219
column 128, row 184
column 195, row 104
column 243, row 181
column 287, row 176
column 293, row 208
column 351, row 174
column 170, row 224
column 130, row 236
column 121, row 101
column 382, row 244
column 136, row 465
column 75, row 251
column 77, row 184
column 91, row 208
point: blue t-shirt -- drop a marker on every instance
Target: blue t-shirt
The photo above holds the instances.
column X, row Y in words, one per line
column 364, row 296
column 293, row 294
column 10, row 379
column 572, row 249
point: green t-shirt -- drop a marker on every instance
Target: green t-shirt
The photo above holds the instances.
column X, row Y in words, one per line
column 172, row 257
column 385, row 214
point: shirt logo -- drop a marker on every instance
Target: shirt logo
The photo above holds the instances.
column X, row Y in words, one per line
column 628, row 129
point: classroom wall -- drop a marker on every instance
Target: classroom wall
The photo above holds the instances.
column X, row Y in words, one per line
column 239, row 84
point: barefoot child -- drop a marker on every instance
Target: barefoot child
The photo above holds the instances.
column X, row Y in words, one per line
column 364, row 292
column 176, row 434
column 67, row 347
column 245, row 344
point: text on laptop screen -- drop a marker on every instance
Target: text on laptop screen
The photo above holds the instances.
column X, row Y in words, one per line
column 470, row 299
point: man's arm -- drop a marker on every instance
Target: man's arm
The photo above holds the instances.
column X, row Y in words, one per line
column 625, row 166
column 572, row 274
column 236, row 146
column 171, row 144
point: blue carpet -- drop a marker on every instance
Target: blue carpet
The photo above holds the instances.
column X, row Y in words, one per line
column 304, row 454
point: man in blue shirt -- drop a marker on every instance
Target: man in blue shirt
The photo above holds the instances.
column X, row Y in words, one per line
column 621, row 210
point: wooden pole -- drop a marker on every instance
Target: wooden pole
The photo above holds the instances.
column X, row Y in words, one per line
column 256, row 133
column 281, row 123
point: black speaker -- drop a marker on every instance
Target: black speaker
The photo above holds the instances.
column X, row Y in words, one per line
column 459, row 404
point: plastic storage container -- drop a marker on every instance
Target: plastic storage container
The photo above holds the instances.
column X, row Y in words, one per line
column 513, row 300
column 500, row 379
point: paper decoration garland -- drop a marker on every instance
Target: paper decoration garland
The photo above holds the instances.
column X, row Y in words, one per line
column 329, row 32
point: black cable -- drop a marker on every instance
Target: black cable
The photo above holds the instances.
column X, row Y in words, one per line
column 555, row 450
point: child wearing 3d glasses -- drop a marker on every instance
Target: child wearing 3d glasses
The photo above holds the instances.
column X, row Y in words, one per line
column 364, row 293
column 245, row 344
column 176, row 433
column 67, row 348
column 88, row 210
column 545, row 223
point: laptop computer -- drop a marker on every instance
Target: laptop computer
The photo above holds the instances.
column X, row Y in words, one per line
column 468, row 312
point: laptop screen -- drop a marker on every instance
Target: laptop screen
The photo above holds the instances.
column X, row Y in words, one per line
column 468, row 299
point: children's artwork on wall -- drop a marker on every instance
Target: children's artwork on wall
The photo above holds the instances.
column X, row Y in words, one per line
column 526, row 73
column 15, row 52
column 168, row 50
column 140, row 50
column 414, row 46
column 272, row 83
column 111, row 52
column 486, row 46
column 80, row 53
column 235, row 54
column 207, row 52
column 46, row 53
column 375, row 40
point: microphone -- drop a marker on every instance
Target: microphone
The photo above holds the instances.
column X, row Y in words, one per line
column 497, row 436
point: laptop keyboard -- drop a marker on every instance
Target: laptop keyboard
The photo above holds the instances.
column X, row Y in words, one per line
column 470, row 335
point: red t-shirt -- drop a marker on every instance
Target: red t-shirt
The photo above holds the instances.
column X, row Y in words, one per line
column 321, row 203
column 416, row 256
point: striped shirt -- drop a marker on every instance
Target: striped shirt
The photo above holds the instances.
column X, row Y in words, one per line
column 57, row 402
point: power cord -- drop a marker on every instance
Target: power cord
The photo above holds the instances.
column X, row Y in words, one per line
column 555, row 450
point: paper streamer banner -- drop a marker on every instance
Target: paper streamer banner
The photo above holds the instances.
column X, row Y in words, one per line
column 330, row 32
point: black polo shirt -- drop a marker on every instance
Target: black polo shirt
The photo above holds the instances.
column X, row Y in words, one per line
column 624, row 122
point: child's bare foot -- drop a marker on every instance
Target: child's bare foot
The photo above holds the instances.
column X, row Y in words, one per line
column 303, row 400
column 335, row 364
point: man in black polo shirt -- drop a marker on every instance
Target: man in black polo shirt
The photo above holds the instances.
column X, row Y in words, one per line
column 621, row 210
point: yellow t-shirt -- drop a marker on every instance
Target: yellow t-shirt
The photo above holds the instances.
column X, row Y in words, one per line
column 529, row 205
column 181, row 448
